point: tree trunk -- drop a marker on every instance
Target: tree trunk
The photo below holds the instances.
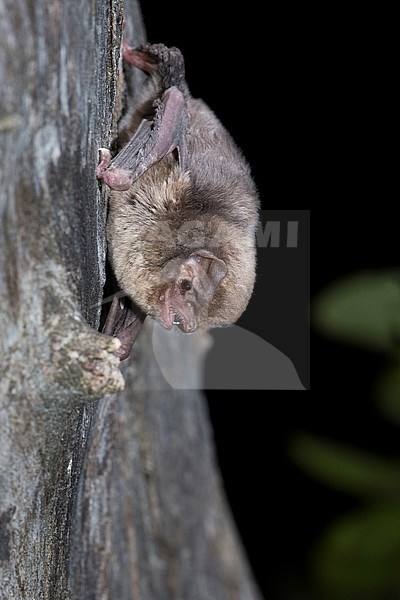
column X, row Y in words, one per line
column 103, row 495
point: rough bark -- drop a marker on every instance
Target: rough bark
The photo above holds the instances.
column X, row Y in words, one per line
column 102, row 494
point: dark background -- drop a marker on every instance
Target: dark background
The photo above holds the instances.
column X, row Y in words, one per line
column 298, row 119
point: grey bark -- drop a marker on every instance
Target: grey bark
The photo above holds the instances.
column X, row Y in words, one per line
column 103, row 495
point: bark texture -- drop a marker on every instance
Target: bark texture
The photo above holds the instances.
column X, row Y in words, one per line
column 103, row 495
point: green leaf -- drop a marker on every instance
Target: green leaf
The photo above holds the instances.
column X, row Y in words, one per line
column 345, row 468
column 359, row 556
column 363, row 309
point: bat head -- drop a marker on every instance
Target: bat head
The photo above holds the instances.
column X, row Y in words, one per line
column 189, row 287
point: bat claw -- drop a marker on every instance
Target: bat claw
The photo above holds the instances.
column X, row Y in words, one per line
column 105, row 159
column 123, row 336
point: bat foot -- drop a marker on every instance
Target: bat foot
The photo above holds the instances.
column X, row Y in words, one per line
column 138, row 59
column 157, row 58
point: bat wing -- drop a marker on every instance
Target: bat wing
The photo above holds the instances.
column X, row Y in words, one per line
column 123, row 321
column 165, row 132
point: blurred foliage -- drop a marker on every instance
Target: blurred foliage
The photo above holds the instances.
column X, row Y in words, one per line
column 347, row 469
column 362, row 309
column 358, row 555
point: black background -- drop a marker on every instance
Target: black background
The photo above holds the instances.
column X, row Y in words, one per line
column 296, row 110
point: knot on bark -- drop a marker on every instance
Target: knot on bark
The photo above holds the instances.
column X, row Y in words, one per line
column 82, row 360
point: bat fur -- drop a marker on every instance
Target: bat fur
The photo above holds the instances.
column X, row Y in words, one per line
column 181, row 239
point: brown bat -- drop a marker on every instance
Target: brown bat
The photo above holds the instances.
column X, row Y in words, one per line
column 183, row 207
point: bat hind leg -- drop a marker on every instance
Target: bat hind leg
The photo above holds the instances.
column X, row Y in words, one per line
column 151, row 58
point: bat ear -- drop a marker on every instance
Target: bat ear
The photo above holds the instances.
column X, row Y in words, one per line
column 208, row 269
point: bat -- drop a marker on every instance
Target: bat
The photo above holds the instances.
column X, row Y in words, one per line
column 183, row 205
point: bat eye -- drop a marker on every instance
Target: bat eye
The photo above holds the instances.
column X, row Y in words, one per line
column 186, row 285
